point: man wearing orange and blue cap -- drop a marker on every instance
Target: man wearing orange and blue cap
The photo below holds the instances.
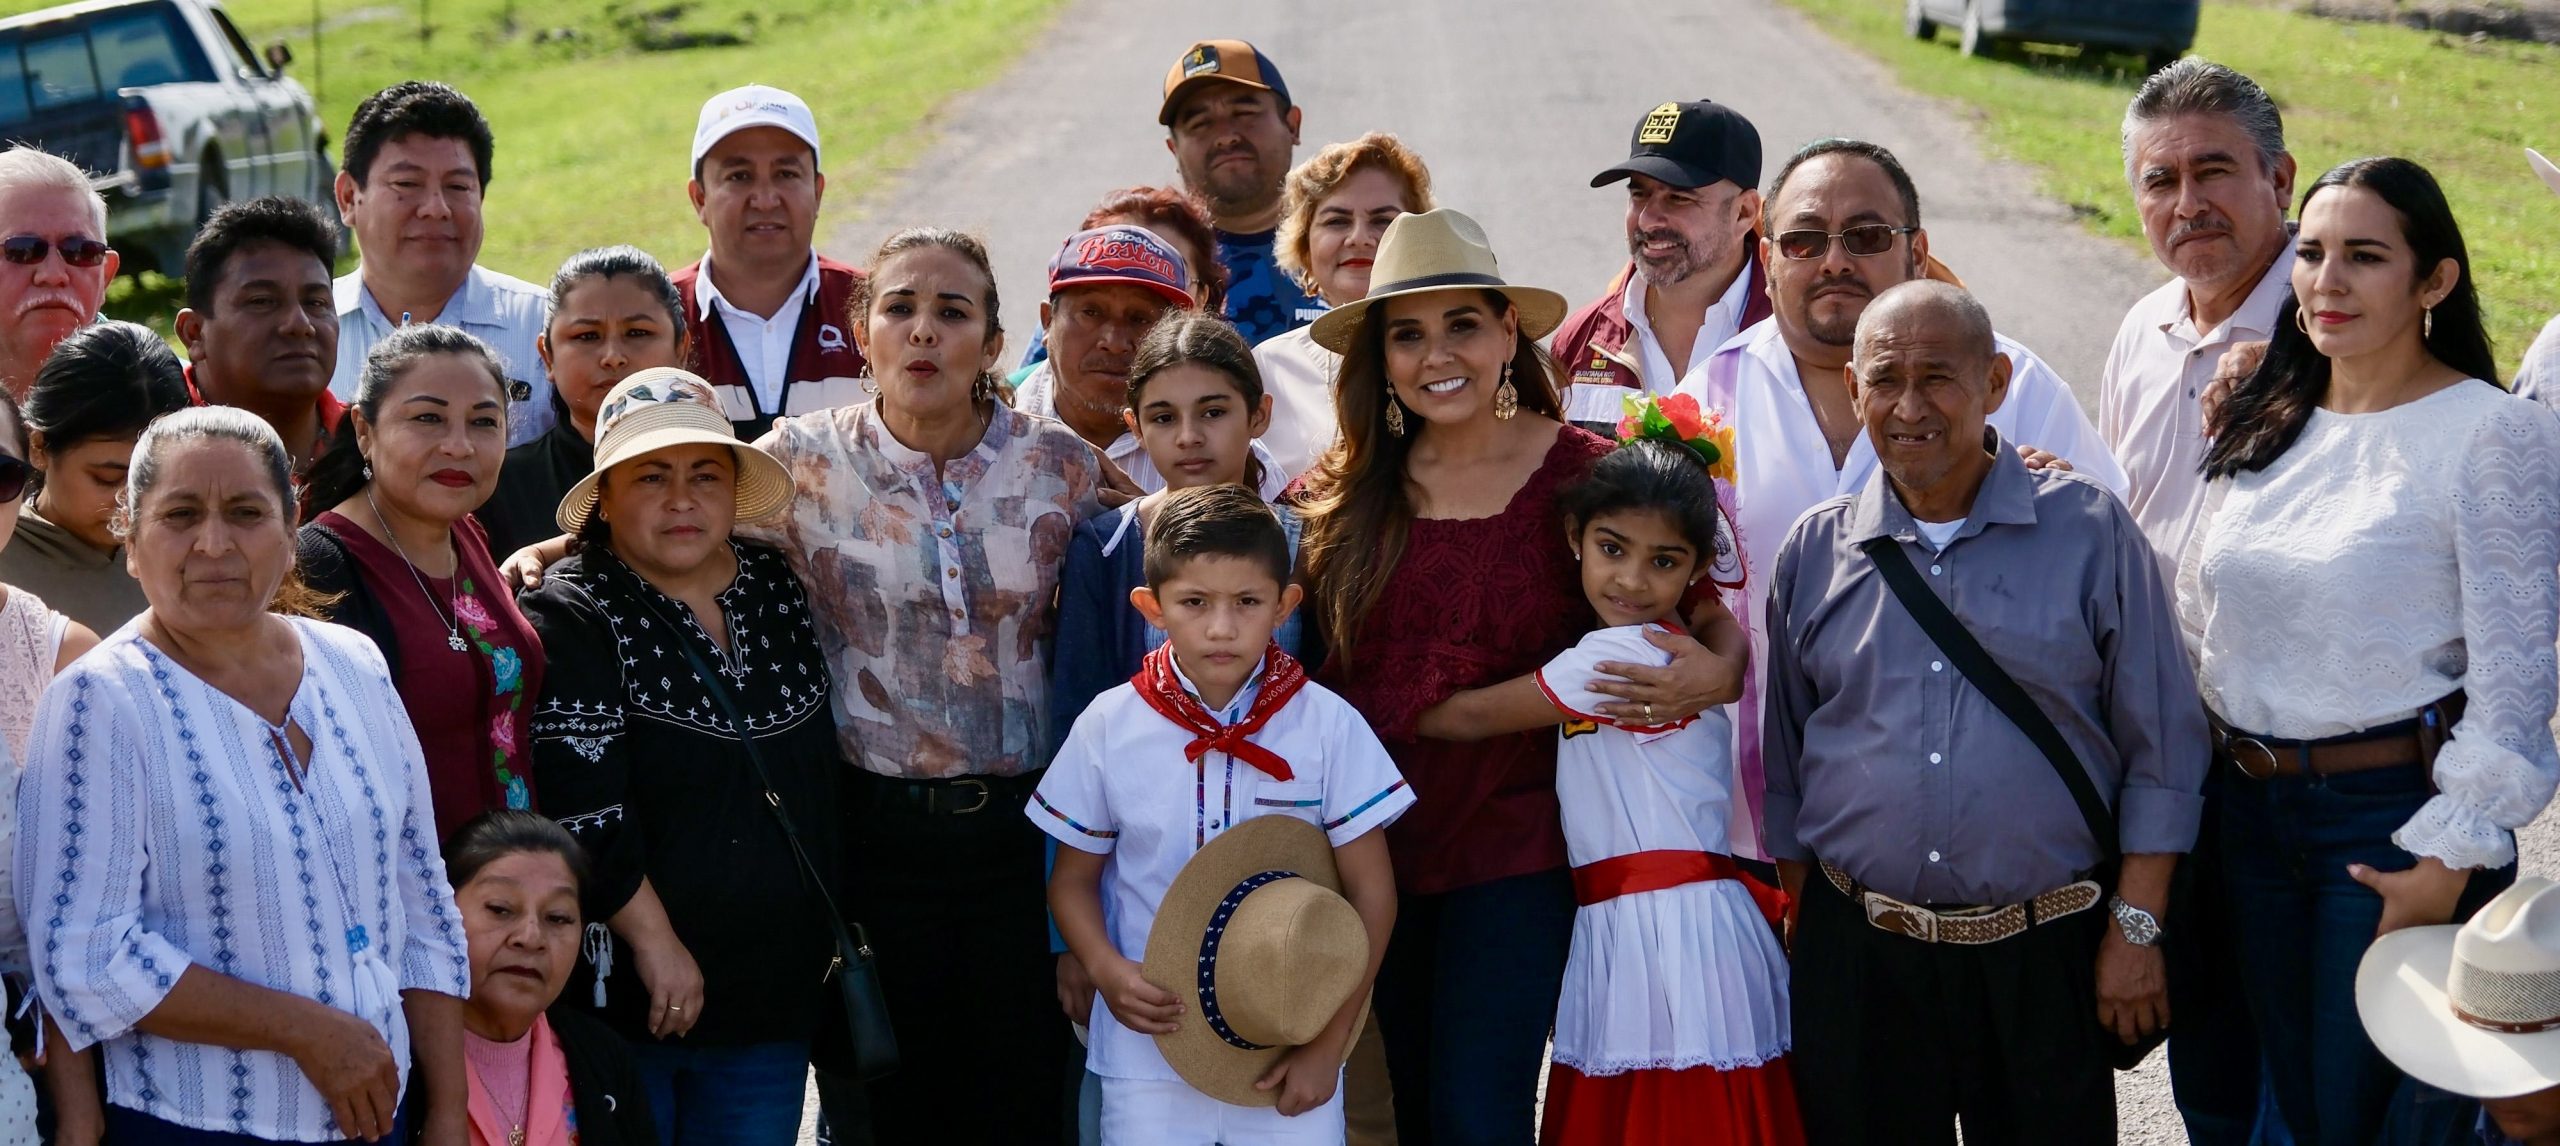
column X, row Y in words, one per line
column 1233, row 131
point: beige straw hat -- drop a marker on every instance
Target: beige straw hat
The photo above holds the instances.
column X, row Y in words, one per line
column 2473, row 1009
column 1256, row 940
column 663, row 407
column 1437, row 250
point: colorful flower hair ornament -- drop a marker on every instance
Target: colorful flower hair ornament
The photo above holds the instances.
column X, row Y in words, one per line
column 1677, row 419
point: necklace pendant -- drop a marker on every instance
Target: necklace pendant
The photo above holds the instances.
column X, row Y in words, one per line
column 515, row 1137
column 454, row 641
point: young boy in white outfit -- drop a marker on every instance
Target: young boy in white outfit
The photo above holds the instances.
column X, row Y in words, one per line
column 1219, row 727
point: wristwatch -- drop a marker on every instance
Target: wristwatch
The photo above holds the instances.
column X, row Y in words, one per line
column 2140, row 928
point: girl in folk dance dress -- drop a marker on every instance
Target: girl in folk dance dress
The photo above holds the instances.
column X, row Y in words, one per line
column 1673, row 1021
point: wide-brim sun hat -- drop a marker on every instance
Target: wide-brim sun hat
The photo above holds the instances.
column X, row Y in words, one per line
column 2472, row 1009
column 1257, row 942
column 1438, row 249
column 2549, row 171
column 661, row 408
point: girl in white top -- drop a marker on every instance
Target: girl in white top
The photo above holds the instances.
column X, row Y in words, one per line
column 2372, row 590
column 227, row 813
column 1673, row 1022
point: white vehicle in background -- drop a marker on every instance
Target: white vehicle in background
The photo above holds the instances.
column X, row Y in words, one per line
column 167, row 108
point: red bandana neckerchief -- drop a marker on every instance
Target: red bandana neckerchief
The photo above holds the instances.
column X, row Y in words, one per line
column 1282, row 677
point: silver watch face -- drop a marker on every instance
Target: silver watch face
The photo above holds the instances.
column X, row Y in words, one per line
column 2140, row 928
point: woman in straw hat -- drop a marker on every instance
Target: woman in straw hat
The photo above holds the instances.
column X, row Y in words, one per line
column 1434, row 563
column 684, row 679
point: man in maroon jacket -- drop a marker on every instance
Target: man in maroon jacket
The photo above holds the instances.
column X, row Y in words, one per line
column 1692, row 180
column 771, row 318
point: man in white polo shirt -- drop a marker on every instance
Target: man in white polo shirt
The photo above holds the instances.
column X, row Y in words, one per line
column 2204, row 152
column 770, row 315
column 1841, row 223
column 416, row 167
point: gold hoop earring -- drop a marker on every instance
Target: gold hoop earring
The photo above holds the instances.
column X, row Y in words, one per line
column 870, row 385
column 1395, row 416
column 2299, row 323
column 1506, row 397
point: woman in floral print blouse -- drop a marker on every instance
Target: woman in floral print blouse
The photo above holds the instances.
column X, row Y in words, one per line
column 394, row 539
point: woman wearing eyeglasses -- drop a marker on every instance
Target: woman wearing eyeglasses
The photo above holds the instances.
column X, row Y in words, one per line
column 1842, row 223
column 90, row 402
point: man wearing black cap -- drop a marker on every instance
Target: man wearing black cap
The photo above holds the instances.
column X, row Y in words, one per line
column 1232, row 130
column 1694, row 281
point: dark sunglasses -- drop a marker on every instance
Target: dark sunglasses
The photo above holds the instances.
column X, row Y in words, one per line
column 1861, row 241
column 14, row 473
column 28, row 250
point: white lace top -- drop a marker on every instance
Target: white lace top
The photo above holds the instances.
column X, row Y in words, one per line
column 2383, row 561
column 30, row 640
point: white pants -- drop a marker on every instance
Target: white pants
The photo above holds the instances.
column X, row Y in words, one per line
column 1146, row 1112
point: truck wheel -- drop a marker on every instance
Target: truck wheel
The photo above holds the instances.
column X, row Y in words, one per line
column 1971, row 39
column 209, row 190
column 1916, row 23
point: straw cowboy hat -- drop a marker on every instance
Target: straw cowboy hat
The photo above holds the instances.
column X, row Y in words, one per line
column 2473, row 1009
column 2549, row 171
column 1256, row 940
column 663, row 407
column 1437, row 250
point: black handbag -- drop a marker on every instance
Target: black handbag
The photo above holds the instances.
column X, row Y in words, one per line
column 864, row 1047
column 2005, row 694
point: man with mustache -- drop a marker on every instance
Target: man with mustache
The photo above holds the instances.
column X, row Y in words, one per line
column 1107, row 288
column 1694, row 277
column 261, row 322
column 1840, row 224
column 411, row 187
column 1232, row 132
column 57, row 263
column 768, row 312
column 1980, row 889
column 2204, row 152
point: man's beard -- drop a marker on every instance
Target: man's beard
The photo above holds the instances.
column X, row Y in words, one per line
column 1673, row 266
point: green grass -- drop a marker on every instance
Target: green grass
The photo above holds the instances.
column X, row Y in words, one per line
column 593, row 101
column 2466, row 110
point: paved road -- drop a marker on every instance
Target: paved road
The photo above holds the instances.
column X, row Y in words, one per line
column 1514, row 103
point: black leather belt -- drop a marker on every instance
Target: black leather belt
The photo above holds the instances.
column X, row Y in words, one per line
column 955, row 795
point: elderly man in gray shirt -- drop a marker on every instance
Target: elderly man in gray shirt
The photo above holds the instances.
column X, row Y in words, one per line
column 1957, row 955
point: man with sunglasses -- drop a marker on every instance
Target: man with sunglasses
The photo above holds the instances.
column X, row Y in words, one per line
column 54, row 260
column 1693, row 276
column 1842, row 224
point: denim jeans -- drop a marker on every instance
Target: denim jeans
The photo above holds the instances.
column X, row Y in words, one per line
column 1465, row 999
column 127, row 1125
column 2303, row 924
column 2215, row 1069
column 725, row 1096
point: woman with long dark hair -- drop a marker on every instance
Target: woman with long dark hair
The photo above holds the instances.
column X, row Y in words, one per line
column 96, row 392
column 389, row 531
column 2372, row 604
column 1435, row 562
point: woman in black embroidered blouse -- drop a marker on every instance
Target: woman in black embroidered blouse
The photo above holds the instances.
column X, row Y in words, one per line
column 718, row 943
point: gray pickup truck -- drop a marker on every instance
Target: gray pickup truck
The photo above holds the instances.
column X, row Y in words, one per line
column 167, row 108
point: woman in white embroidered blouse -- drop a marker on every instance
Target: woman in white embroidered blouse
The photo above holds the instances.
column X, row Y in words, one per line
column 228, row 812
column 2373, row 604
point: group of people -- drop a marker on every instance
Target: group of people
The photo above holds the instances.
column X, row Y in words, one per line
column 1373, row 699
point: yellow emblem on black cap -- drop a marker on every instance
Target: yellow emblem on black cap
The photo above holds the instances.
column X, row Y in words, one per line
column 1658, row 125
column 1202, row 60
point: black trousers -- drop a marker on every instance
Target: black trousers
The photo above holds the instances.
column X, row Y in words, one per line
column 1896, row 1040
column 957, row 910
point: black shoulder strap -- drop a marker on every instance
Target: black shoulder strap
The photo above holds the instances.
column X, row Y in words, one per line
column 719, row 691
column 1996, row 685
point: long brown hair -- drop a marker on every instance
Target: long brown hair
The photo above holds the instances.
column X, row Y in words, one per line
column 1357, row 509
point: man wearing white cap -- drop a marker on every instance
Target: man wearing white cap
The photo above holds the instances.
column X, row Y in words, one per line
column 2472, row 1011
column 769, row 313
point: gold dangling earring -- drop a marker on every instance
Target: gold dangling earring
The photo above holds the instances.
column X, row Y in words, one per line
column 1506, row 397
column 2427, row 324
column 1395, row 416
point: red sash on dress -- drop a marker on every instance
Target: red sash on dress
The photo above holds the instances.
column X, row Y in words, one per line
column 1282, row 677
column 1628, row 874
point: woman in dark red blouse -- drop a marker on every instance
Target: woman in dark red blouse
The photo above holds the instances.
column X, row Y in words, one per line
column 1435, row 562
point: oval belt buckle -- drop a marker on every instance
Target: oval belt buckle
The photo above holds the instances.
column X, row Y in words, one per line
column 2238, row 747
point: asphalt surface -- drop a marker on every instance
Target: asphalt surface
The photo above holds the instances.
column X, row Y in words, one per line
column 1514, row 103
